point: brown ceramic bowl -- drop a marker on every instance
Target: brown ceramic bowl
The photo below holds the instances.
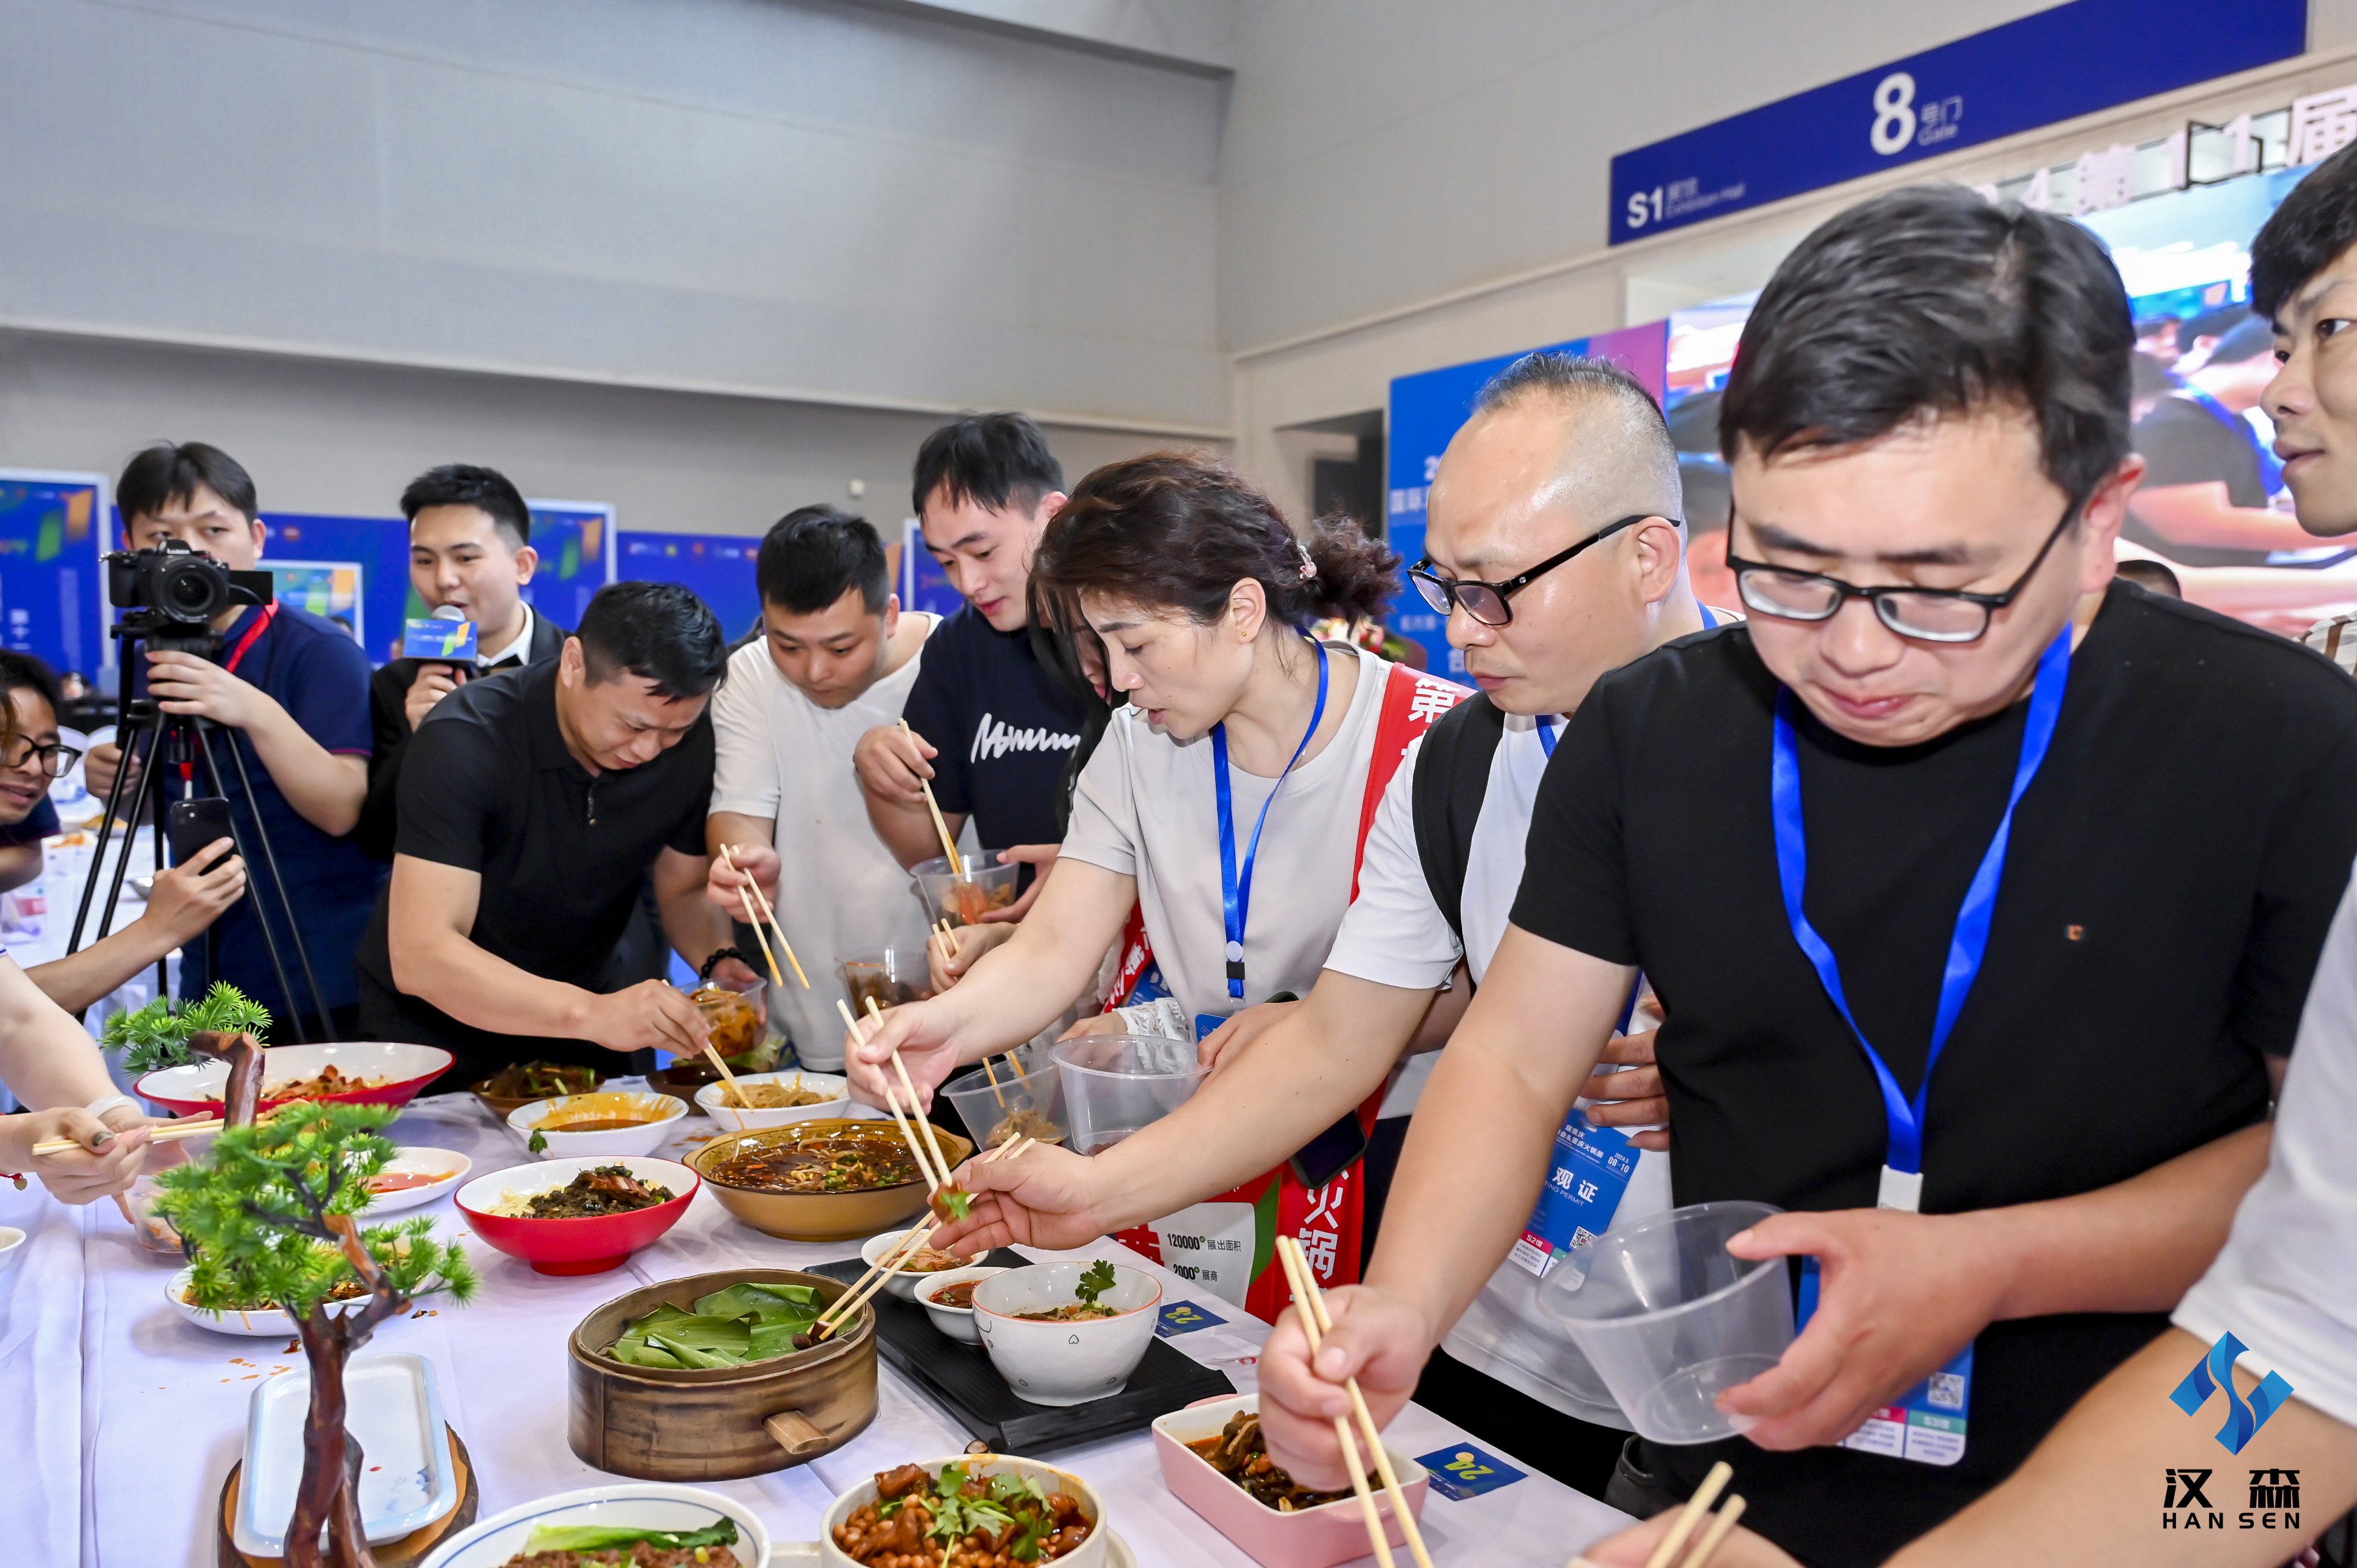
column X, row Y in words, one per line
column 500, row 1104
column 819, row 1216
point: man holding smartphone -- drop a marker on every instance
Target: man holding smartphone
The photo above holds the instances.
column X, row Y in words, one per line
column 291, row 688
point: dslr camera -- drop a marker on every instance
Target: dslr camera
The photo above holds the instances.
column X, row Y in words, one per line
column 169, row 595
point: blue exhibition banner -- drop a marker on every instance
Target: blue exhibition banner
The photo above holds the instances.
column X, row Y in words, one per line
column 352, row 570
column 2050, row 66
column 716, row 567
column 52, row 574
column 577, row 554
column 1426, row 410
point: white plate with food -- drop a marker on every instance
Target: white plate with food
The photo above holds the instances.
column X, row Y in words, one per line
column 778, row 1099
column 923, row 1264
column 416, row 1174
column 262, row 1320
column 667, row 1518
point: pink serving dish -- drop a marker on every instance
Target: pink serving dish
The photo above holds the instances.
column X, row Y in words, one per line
column 589, row 1246
column 402, row 1070
column 1313, row 1538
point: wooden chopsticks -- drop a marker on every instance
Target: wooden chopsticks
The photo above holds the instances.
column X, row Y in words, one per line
column 849, row 1302
column 1309, row 1305
column 949, row 846
column 170, row 1133
column 751, row 896
column 892, row 1103
column 1696, row 1507
column 909, row 1086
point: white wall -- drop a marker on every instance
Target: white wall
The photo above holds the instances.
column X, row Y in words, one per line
column 807, row 200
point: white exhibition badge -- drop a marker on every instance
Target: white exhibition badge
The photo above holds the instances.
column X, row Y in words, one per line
column 1927, row 1427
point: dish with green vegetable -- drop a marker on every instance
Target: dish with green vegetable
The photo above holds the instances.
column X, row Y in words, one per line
column 745, row 1323
column 1094, row 1283
column 629, row 1546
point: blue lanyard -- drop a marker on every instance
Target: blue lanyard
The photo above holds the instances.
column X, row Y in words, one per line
column 1903, row 1161
column 1236, row 894
column 1547, row 721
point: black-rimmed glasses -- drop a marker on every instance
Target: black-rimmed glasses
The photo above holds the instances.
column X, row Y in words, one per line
column 56, row 759
column 1928, row 614
column 1486, row 602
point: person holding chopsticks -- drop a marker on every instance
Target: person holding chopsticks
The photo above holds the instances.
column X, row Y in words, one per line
column 1936, row 755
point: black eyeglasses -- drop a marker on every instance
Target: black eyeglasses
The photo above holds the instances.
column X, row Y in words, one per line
column 56, row 760
column 1486, row 602
column 1928, row 614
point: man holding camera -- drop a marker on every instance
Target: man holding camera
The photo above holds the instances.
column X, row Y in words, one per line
column 292, row 689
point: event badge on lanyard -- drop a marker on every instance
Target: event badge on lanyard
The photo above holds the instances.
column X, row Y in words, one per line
column 1236, row 890
column 1928, row 1424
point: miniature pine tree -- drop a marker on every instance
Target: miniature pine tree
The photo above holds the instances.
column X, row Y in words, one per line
column 270, row 1216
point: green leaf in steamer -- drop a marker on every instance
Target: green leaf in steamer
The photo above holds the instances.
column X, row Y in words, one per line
column 770, row 1340
column 765, row 1303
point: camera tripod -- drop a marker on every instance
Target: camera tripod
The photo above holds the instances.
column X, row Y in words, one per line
column 177, row 742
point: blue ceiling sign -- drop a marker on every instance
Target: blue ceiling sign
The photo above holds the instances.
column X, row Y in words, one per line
column 2051, row 66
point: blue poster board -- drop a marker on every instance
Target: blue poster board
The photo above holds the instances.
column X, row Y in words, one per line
column 923, row 584
column 304, row 553
column 1426, row 410
column 577, row 545
column 716, row 567
column 52, row 575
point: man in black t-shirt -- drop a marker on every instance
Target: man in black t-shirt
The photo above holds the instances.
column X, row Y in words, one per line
column 2207, row 472
column 993, row 726
column 532, row 806
column 1883, row 852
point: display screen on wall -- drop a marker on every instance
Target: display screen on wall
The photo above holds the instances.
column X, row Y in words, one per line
column 52, row 577
column 304, row 552
column 716, row 567
column 577, row 551
column 329, row 589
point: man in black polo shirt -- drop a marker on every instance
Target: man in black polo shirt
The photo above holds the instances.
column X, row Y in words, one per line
column 993, row 725
column 1938, row 753
column 532, row 808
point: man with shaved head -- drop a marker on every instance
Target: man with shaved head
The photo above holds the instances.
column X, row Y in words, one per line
column 1555, row 549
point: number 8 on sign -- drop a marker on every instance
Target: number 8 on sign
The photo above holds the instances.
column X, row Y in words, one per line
column 1894, row 114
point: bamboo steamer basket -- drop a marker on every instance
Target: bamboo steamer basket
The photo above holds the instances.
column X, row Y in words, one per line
column 716, row 1424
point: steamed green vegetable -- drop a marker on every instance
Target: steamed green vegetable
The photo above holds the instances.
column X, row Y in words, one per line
column 721, row 1531
column 749, row 1321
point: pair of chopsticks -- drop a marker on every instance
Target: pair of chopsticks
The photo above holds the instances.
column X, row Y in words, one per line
column 949, row 846
column 947, row 937
column 1721, row 1522
column 170, row 1133
column 1310, row 1303
column 750, row 896
column 847, row 1304
column 891, row 1103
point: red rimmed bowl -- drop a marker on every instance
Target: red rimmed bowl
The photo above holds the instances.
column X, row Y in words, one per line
column 588, row 1246
column 395, row 1072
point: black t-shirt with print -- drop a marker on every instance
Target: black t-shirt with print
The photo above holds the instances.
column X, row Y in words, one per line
column 2172, row 870
column 1004, row 724
column 2182, row 443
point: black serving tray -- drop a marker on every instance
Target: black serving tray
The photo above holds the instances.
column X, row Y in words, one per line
column 962, row 1379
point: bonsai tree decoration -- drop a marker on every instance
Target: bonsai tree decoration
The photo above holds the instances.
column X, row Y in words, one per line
column 271, row 1217
column 224, row 1026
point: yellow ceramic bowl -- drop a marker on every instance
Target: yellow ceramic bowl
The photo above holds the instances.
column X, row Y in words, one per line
column 818, row 1215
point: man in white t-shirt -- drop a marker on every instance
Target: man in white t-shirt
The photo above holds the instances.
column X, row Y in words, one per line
column 835, row 658
column 1554, row 512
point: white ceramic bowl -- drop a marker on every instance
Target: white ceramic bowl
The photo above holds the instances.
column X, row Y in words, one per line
column 270, row 1323
column 11, row 1248
column 902, row 1283
column 546, row 1118
column 957, row 1322
column 489, row 1542
column 835, row 1087
column 1066, row 1362
column 448, row 1167
column 1096, row 1551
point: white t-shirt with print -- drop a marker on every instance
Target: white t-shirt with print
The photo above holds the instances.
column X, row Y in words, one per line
column 1145, row 807
column 840, row 893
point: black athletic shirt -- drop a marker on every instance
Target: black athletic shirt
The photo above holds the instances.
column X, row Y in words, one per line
column 2172, row 871
column 1004, row 728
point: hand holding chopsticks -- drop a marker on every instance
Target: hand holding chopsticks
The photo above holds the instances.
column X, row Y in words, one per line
column 848, row 1303
column 1309, row 1305
column 757, row 909
column 948, row 845
column 167, row 1133
column 1667, row 1553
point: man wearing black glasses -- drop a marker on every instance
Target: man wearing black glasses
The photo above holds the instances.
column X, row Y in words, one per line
column 184, row 900
column 1884, row 852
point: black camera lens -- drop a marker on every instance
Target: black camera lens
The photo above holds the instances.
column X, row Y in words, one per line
column 191, row 591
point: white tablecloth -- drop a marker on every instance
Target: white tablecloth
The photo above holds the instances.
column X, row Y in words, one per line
column 121, row 1419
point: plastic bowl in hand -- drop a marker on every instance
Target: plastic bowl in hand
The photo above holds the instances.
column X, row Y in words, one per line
column 902, row 1283
column 492, row 1542
column 1115, row 1084
column 998, row 1106
column 1096, row 1551
column 393, row 1072
column 835, row 1089
column 962, row 900
column 575, row 1124
column 888, row 979
column 1065, row 1361
column 585, row 1246
column 957, row 1322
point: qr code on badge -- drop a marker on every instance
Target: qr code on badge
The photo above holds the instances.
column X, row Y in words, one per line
column 1947, row 1390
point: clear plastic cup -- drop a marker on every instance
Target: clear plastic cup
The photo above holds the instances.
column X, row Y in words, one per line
column 1670, row 1320
column 1026, row 1101
column 962, row 900
column 891, row 977
column 1115, row 1084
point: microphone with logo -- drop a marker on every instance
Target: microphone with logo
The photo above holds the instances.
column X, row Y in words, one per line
column 446, row 638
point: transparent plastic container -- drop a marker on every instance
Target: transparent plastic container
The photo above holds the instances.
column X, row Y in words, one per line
column 1115, row 1084
column 1670, row 1320
column 891, row 977
column 1027, row 1101
column 964, row 900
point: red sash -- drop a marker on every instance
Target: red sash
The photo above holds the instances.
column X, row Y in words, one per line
column 1325, row 1219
